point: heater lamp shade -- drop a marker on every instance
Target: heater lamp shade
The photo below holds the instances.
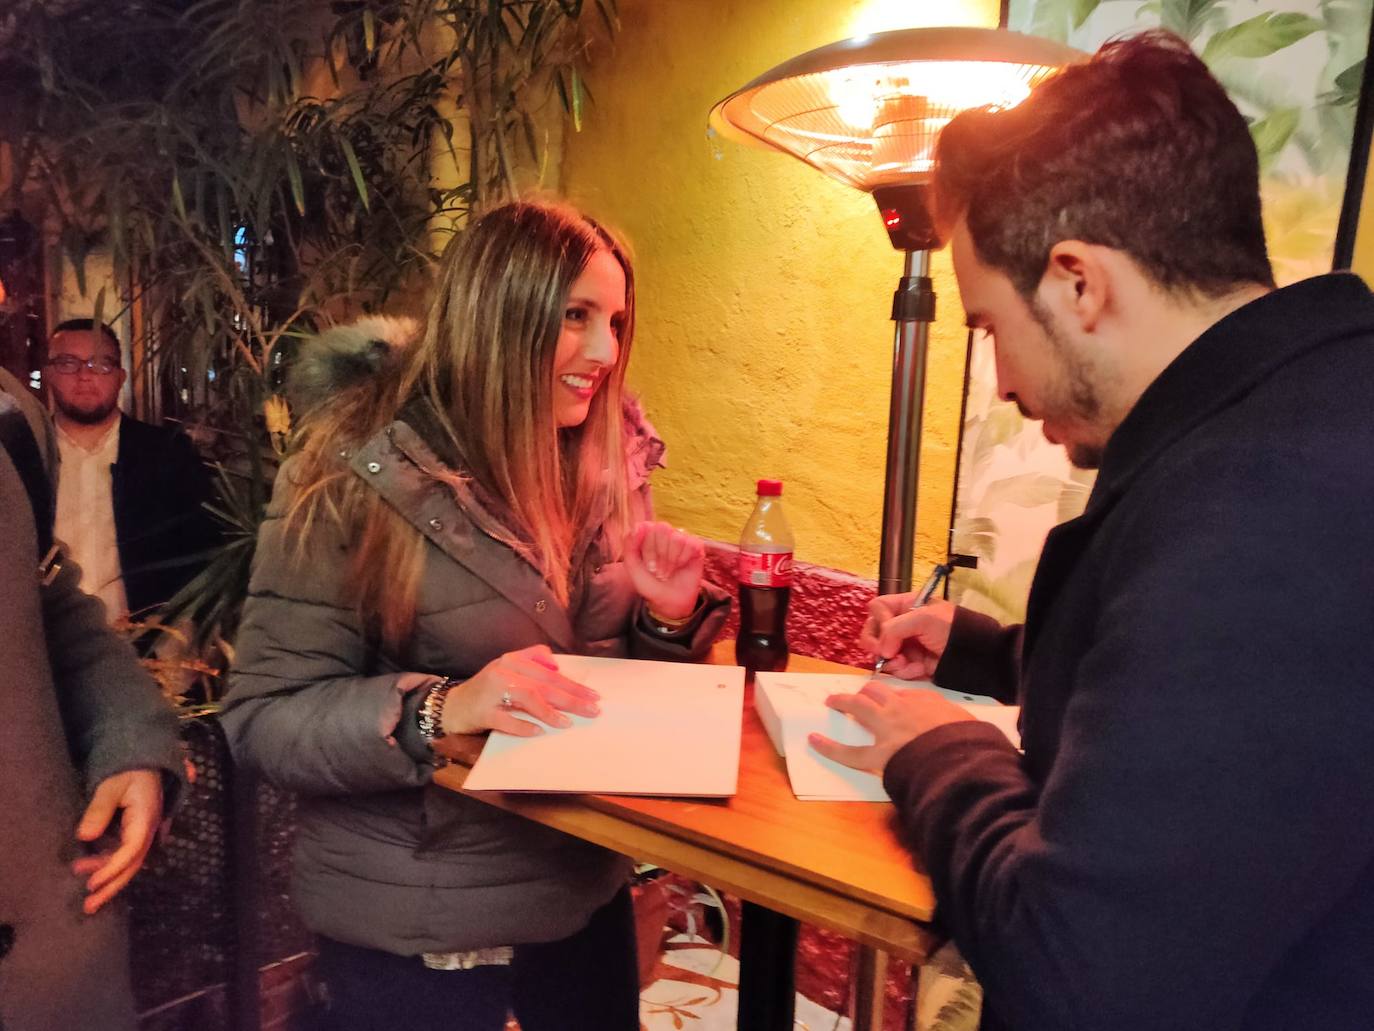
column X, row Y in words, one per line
column 866, row 111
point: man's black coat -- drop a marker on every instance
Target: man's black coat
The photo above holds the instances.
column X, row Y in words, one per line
column 159, row 487
column 1188, row 840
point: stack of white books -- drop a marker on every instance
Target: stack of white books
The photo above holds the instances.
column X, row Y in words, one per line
column 792, row 707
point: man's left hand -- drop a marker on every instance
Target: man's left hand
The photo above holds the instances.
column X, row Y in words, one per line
column 138, row 793
column 894, row 718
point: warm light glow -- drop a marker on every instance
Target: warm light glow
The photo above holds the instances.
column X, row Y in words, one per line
column 858, row 92
column 867, row 111
column 872, row 16
column 874, row 124
column 854, row 92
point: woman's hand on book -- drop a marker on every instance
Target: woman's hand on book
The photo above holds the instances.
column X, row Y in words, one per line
column 513, row 687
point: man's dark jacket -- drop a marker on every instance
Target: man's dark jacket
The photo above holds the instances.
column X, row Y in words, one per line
column 1188, row 840
column 159, row 486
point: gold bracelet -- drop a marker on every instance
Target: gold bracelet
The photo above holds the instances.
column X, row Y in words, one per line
column 665, row 624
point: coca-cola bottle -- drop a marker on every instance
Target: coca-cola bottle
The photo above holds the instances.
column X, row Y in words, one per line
column 765, row 583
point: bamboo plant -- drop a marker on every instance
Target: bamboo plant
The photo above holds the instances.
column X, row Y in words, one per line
column 257, row 169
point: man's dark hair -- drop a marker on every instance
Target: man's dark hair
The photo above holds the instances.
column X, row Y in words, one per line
column 88, row 326
column 1138, row 149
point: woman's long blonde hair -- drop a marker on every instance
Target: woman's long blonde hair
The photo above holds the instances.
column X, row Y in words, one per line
column 485, row 365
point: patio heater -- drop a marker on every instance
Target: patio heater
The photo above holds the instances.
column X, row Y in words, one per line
column 867, row 111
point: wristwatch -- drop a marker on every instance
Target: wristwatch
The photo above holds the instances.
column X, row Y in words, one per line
column 666, row 627
column 430, row 716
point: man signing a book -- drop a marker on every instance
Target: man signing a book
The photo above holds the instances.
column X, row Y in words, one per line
column 1185, row 842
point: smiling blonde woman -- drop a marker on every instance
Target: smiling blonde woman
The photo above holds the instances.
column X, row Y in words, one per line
column 456, row 511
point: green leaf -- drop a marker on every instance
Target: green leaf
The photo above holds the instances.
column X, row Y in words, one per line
column 1259, row 36
column 178, row 201
column 1082, row 10
column 975, row 537
column 1188, row 18
column 609, row 19
column 1026, row 490
column 1347, row 84
column 98, row 309
column 356, row 170
column 563, row 94
column 531, row 141
column 576, row 101
column 1272, row 133
column 1054, row 18
column 331, row 62
column 1051, row 19
column 1073, row 498
column 119, row 240
column 293, row 173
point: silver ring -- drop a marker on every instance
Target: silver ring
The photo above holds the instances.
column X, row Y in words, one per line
column 507, row 702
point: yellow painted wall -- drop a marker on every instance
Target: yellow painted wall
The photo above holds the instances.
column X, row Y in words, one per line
column 1363, row 259
column 765, row 343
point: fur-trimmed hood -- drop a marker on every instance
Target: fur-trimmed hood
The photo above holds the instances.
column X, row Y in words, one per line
column 344, row 356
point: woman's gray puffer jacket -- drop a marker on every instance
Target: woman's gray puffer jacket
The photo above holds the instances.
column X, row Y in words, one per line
column 384, row 858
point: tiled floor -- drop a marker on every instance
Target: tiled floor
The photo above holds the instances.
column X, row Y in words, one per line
column 696, row 989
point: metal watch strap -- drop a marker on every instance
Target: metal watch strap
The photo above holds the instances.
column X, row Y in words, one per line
column 429, row 718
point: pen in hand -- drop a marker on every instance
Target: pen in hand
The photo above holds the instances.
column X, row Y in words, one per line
column 941, row 571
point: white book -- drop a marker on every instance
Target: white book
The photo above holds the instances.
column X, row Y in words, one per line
column 665, row 728
column 792, row 707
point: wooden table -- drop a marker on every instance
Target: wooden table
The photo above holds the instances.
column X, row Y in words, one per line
column 837, row 865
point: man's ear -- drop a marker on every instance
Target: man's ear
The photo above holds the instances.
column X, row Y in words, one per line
column 1076, row 285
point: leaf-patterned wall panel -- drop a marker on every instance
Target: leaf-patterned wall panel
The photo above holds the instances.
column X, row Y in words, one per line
column 1294, row 70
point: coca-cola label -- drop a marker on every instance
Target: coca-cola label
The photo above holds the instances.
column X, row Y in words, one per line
column 770, row 569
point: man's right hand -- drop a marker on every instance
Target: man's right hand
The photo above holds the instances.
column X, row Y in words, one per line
column 911, row 641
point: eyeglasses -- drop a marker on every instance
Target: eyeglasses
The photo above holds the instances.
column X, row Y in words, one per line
column 70, row 364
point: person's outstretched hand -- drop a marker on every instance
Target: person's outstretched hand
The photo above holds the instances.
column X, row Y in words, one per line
column 137, row 796
column 911, row 641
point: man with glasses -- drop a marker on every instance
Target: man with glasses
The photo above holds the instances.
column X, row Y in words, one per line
column 130, row 501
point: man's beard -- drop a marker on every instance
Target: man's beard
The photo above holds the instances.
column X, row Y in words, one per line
column 85, row 414
column 1085, row 456
column 1081, row 399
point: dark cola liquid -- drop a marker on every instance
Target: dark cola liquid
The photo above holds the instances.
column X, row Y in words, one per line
column 762, row 642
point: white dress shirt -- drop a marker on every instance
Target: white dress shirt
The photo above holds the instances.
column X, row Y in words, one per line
column 85, row 517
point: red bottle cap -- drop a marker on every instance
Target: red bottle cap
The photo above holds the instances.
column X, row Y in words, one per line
column 770, row 488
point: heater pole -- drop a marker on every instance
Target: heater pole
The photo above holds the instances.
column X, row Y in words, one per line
column 913, row 310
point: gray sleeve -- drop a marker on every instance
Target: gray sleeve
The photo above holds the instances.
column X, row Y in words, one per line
column 115, row 717
column 307, row 706
column 693, row 641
